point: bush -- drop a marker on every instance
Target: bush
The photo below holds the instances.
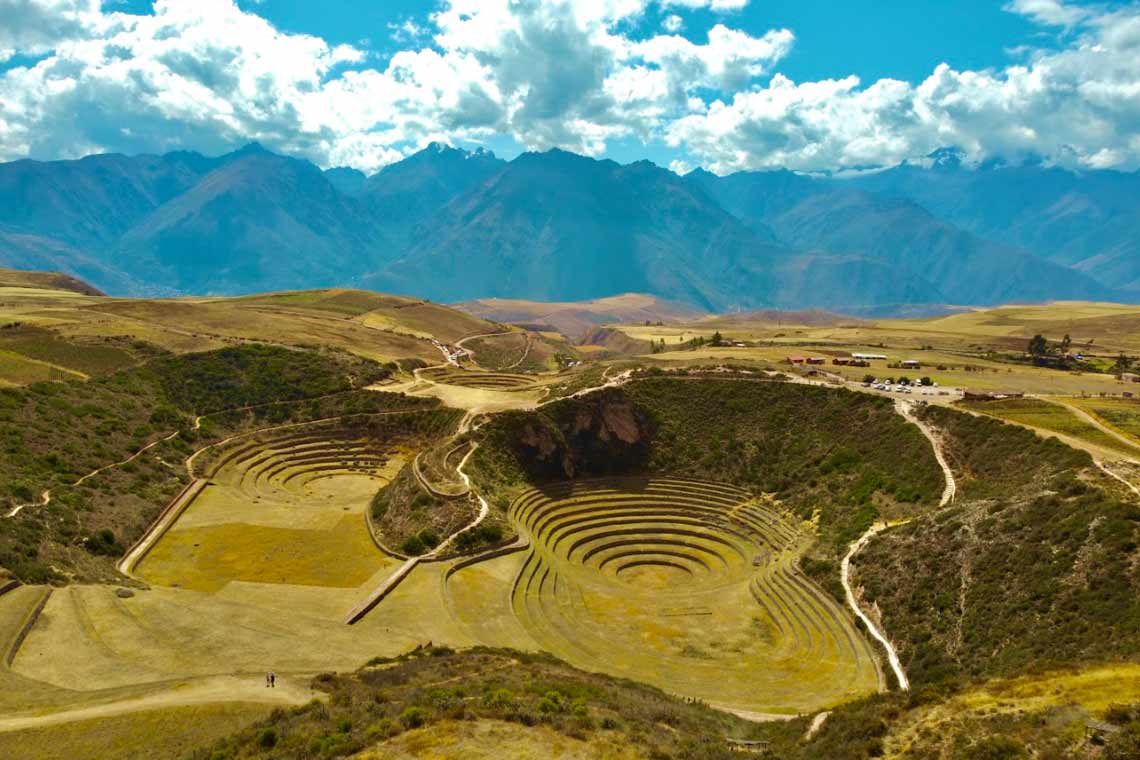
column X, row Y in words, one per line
column 267, row 739
column 413, row 717
column 413, row 546
column 103, row 543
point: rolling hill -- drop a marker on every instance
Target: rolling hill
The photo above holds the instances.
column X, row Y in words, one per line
column 576, row 319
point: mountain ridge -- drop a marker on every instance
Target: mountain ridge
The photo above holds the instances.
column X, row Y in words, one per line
column 456, row 225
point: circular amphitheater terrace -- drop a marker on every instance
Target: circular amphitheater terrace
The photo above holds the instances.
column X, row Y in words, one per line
column 688, row 585
column 484, row 380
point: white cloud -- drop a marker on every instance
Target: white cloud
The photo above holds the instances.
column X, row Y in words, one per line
column 35, row 27
column 673, row 23
column 715, row 5
column 568, row 73
column 1050, row 12
column 1076, row 106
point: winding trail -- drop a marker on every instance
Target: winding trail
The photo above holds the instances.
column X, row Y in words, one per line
column 614, row 382
column 45, row 497
column 484, row 508
column 845, row 577
column 390, row 583
column 816, row 724
column 250, row 688
column 949, row 493
column 525, row 354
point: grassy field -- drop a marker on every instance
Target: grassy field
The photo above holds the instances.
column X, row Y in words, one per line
column 1099, row 328
column 949, row 370
column 95, row 335
column 972, row 349
column 1056, row 418
column 166, row 734
column 1122, row 415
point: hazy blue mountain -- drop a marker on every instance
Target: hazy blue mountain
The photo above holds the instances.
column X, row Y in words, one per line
column 259, row 221
column 347, row 180
column 92, row 201
column 450, row 224
column 921, row 258
column 407, row 194
column 1089, row 220
column 36, row 253
column 558, row 226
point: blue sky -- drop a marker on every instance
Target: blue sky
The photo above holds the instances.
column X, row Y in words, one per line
column 726, row 84
column 889, row 38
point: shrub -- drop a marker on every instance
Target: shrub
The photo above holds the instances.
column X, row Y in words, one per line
column 413, row 546
column 385, row 728
column 267, row 739
column 413, row 717
column 103, row 543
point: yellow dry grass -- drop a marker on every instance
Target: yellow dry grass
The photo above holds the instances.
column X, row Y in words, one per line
column 153, row 734
column 209, row 557
column 16, row 369
column 498, row 740
column 1093, row 690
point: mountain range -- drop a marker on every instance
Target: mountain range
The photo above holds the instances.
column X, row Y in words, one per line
column 452, row 225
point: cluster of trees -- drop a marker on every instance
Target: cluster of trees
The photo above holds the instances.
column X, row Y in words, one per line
column 1040, row 347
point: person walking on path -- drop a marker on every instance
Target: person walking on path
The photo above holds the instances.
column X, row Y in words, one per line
column 272, row 680
column 267, row 677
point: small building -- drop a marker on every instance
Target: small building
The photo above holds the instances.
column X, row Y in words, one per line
column 816, row 360
column 1129, row 377
column 840, row 361
column 911, row 364
column 869, row 357
column 797, row 360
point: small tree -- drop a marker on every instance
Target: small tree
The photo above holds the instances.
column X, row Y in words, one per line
column 717, row 338
column 1122, row 365
column 868, row 378
column 926, row 381
column 1038, row 346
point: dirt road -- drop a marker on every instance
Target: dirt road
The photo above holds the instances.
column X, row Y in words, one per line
column 211, row 690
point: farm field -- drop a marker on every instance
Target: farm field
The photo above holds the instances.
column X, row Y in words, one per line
column 947, row 369
column 1055, row 418
column 1101, row 328
column 1121, row 415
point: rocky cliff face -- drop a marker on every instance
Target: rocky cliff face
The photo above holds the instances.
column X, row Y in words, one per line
column 606, row 434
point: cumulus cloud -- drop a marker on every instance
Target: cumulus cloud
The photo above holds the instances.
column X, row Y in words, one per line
column 1078, row 106
column 715, row 5
column 1050, row 12
column 35, row 27
column 207, row 75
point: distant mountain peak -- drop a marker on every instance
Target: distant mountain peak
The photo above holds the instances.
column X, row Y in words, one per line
column 251, row 148
column 949, row 157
